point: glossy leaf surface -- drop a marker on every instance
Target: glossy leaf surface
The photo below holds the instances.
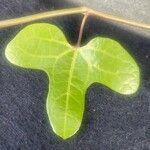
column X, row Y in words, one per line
column 72, row 70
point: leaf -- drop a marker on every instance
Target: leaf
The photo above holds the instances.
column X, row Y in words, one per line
column 72, row 70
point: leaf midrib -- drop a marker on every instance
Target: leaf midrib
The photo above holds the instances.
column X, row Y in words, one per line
column 68, row 89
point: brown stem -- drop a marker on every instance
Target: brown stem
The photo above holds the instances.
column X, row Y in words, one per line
column 81, row 29
column 69, row 11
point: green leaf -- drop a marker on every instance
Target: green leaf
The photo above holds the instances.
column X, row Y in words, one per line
column 72, row 70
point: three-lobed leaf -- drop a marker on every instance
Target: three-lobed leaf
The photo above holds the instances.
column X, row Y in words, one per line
column 72, row 70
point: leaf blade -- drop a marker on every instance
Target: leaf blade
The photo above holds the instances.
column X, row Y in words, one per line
column 71, row 70
column 114, row 72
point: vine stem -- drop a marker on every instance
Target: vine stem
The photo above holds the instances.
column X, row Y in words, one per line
column 81, row 29
column 69, row 11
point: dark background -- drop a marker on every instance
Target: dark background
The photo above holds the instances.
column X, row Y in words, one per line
column 111, row 121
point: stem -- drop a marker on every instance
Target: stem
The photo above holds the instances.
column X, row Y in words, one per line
column 69, row 11
column 44, row 15
column 81, row 29
column 120, row 20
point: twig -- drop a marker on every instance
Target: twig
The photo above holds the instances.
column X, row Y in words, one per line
column 69, row 11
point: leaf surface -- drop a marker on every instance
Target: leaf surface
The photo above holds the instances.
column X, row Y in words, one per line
column 72, row 70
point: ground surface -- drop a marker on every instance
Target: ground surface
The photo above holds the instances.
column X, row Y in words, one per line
column 111, row 121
